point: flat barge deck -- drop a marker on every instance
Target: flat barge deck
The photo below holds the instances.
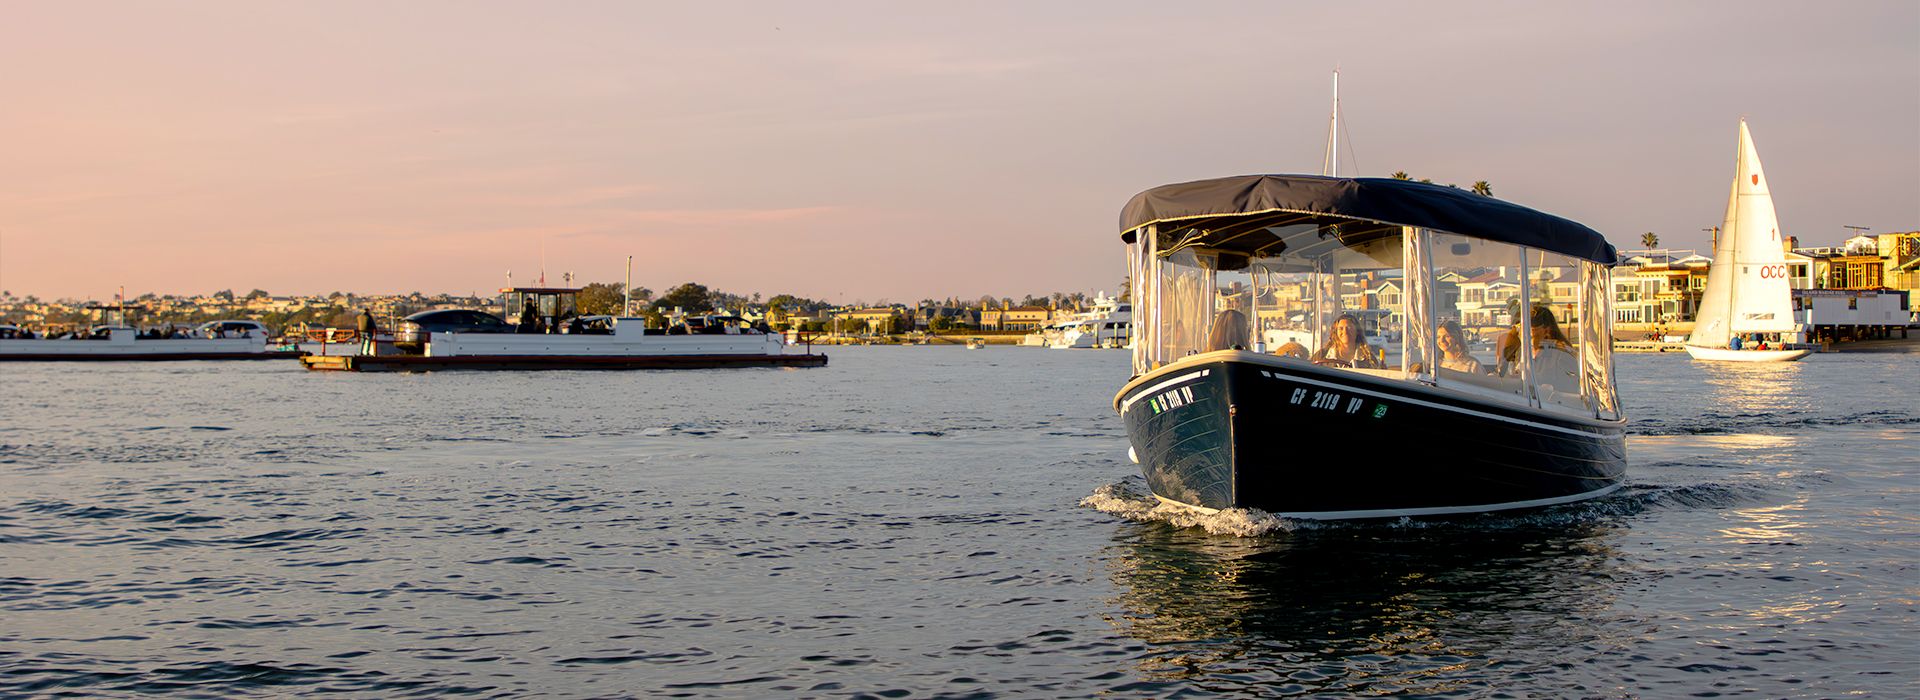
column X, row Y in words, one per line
column 427, row 363
column 146, row 356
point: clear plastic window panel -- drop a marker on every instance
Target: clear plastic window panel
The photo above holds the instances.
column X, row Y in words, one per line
column 1184, row 311
column 1284, row 320
column 1415, row 307
column 1555, row 301
column 1235, row 307
column 1363, row 285
column 1597, row 333
column 1476, row 291
column 1323, row 295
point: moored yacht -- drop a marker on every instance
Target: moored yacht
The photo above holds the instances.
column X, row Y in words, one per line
column 1109, row 324
column 1476, row 406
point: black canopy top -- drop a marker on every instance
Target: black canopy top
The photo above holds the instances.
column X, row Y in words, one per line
column 1248, row 202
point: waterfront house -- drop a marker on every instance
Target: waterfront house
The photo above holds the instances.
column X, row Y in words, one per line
column 1658, row 290
column 1015, row 318
column 1483, row 300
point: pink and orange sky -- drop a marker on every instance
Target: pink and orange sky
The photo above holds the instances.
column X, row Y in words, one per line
column 880, row 150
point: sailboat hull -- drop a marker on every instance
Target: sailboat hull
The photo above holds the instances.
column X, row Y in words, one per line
column 1731, row 355
column 1243, row 430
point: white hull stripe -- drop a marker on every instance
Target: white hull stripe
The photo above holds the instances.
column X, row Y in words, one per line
column 1155, row 389
column 1415, row 512
column 1442, row 406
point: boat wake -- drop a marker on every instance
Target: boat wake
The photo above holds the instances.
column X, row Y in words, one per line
column 1130, row 499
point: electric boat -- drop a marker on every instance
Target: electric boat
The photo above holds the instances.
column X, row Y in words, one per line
column 1497, row 393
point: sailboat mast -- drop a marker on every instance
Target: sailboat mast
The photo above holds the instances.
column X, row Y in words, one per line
column 1331, row 165
column 1731, row 228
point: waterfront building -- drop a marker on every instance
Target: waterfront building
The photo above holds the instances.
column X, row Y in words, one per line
column 873, row 317
column 1483, row 300
column 1015, row 318
column 924, row 315
column 1900, row 252
column 1861, row 288
column 1889, row 261
column 1658, row 290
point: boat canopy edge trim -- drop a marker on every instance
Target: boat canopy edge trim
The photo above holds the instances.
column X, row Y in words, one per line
column 1385, row 200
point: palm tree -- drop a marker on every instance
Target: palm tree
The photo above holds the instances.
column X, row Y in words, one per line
column 1401, row 175
column 1649, row 240
column 1483, row 188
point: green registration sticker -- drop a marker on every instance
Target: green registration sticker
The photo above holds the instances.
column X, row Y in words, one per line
column 1379, row 410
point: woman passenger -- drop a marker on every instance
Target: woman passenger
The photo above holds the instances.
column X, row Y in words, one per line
column 1348, row 346
column 1229, row 331
column 1553, row 360
column 1453, row 350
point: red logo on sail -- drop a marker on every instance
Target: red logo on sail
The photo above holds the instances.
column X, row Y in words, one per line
column 1756, row 181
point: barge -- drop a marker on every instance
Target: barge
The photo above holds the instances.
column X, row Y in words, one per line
column 548, row 334
column 118, row 342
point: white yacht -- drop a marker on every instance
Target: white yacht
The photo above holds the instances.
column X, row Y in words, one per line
column 1108, row 325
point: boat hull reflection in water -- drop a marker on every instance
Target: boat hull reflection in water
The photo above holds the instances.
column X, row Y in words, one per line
column 1443, row 352
column 1362, row 611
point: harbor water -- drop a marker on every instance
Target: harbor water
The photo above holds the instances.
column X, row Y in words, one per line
column 910, row 522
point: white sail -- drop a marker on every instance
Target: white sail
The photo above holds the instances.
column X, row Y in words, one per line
column 1747, row 287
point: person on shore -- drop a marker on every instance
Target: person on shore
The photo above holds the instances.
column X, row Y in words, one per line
column 365, row 328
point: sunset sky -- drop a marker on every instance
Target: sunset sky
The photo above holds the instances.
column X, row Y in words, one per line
column 881, row 150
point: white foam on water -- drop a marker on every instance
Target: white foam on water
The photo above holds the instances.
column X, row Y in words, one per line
column 1125, row 500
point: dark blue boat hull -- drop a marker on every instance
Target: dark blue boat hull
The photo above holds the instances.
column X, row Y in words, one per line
column 1293, row 439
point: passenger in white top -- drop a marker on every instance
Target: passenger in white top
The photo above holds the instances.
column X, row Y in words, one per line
column 1553, row 362
column 1453, row 350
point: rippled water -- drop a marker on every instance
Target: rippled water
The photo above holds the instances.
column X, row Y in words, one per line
column 909, row 521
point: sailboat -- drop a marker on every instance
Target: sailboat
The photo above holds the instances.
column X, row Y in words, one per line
column 1747, row 290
